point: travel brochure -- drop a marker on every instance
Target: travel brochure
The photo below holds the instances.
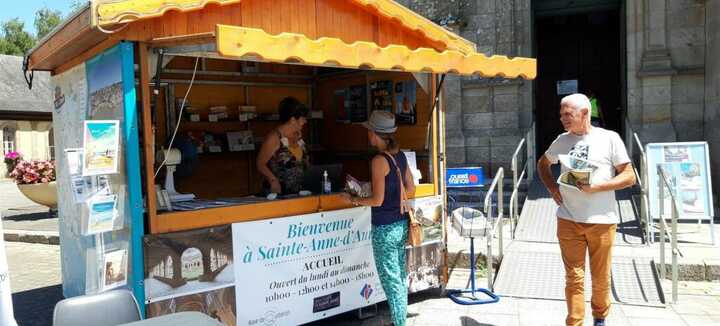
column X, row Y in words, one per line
column 84, row 188
column 101, row 142
column 114, row 269
column 102, row 213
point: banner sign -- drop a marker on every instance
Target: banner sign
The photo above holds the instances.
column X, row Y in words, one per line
column 294, row 270
column 464, row 177
column 687, row 168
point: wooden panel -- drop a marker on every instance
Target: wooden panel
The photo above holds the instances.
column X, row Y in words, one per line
column 354, row 136
column 181, row 221
column 223, row 65
column 267, row 99
column 175, row 23
column 409, row 136
column 219, row 175
column 74, row 30
column 160, row 119
column 62, row 66
column 343, row 20
column 147, row 135
column 349, row 21
column 204, row 96
column 313, row 18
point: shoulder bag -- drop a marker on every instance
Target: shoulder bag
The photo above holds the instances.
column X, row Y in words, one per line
column 415, row 233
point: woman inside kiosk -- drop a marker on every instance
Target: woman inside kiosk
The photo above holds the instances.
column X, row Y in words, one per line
column 283, row 157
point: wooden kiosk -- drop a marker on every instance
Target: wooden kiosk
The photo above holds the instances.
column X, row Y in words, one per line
column 205, row 73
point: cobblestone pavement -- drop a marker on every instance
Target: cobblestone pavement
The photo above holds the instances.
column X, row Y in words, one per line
column 35, row 278
column 19, row 213
column 12, row 198
column 35, row 281
column 699, row 305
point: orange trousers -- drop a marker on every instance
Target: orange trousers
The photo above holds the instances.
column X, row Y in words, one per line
column 575, row 240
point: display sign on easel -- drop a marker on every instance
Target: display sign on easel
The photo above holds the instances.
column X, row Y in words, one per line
column 687, row 167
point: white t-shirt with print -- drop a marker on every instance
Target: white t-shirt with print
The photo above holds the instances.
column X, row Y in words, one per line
column 603, row 148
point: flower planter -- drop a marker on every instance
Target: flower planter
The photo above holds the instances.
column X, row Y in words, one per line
column 41, row 193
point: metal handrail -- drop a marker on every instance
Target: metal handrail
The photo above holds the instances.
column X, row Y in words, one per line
column 497, row 224
column 641, row 178
column 516, row 185
column 673, row 234
column 513, row 213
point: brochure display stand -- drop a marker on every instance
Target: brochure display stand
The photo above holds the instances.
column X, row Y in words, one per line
column 100, row 206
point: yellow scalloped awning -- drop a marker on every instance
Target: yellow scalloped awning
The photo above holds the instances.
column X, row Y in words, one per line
column 243, row 42
column 110, row 12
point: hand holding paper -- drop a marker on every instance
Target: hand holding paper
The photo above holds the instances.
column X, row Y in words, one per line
column 578, row 175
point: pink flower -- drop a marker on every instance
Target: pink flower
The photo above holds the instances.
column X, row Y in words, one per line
column 29, row 172
column 12, row 155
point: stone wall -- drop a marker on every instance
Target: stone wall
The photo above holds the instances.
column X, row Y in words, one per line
column 665, row 69
column 485, row 118
column 672, row 85
column 712, row 91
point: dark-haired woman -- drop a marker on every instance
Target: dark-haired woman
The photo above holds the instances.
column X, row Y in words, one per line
column 283, row 159
column 390, row 174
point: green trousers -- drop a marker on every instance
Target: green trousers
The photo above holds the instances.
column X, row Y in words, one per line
column 388, row 242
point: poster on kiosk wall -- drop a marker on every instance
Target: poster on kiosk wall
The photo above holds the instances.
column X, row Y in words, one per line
column 298, row 269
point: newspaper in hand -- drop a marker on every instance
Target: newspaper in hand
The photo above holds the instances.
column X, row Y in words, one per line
column 357, row 188
column 577, row 170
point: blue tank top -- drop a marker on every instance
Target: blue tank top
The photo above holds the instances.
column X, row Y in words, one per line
column 389, row 211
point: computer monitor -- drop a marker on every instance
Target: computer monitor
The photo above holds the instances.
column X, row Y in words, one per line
column 313, row 178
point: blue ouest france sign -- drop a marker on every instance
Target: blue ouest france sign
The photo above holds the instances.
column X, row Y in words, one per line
column 464, row 177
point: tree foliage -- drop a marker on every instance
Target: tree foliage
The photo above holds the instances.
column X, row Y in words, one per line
column 14, row 40
column 76, row 5
column 46, row 20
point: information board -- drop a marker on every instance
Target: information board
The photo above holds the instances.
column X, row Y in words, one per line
column 686, row 166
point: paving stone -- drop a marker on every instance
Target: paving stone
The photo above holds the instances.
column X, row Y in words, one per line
column 490, row 319
column 656, row 322
column 699, row 320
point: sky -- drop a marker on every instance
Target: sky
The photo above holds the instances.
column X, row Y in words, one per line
column 25, row 10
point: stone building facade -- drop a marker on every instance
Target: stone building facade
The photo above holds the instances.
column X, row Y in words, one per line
column 668, row 84
column 25, row 115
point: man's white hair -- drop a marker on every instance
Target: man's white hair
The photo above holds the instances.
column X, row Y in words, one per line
column 577, row 101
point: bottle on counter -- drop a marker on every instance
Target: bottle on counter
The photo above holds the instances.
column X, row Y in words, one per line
column 326, row 185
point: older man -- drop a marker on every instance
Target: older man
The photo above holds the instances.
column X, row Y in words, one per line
column 586, row 217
